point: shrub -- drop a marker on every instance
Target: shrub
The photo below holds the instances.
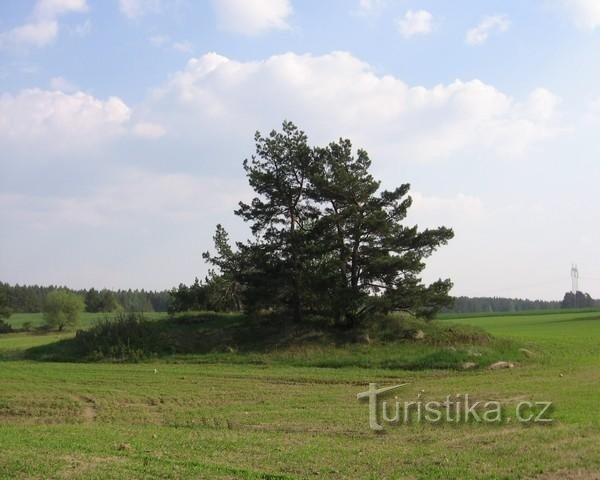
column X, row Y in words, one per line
column 5, row 327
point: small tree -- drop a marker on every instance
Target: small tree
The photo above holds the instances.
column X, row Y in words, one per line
column 63, row 309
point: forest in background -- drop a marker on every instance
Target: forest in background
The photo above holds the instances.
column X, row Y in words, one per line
column 31, row 298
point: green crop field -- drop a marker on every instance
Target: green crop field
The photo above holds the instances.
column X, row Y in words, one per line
column 209, row 417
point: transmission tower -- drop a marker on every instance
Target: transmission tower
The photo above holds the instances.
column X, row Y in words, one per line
column 574, row 279
column 574, row 282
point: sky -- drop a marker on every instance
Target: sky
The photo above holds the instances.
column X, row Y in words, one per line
column 124, row 124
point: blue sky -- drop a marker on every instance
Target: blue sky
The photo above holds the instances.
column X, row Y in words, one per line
column 123, row 125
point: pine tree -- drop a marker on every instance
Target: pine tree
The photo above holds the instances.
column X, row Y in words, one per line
column 280, row 217
column 327, row 240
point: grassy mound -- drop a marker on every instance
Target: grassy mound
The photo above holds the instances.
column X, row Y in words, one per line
column 393, row 341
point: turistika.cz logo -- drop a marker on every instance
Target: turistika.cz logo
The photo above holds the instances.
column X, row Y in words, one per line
column 458, row 408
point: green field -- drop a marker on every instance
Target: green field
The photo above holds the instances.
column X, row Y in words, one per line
column 18, row 320
column 209, row 417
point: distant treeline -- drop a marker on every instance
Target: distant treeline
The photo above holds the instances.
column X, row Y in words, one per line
column 30, row 299
column 201, row 296
column 500, row 304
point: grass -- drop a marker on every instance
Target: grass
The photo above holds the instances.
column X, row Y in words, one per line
column 522, row 313
column 231, row 338
column 223, row 416
column 19, row 320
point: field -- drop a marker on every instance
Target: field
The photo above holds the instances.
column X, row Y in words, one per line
column 214, row 418
column 18, row 320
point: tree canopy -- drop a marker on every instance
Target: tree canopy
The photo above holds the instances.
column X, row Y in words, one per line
column 31, row 298
column 577, row 300
column 327, row 240
column 63, row 309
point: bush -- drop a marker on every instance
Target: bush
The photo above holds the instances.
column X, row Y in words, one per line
column 120, row 338
column 5, row 327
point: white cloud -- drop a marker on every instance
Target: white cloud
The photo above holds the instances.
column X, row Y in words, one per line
column 138, row 8
column 54, row 8
column 479, row 34
column 252, row 17
column 585, row 13
column 55, row 121
column 337, row 94
column 44, row 27
column 542, row 104
column 87, row 193
column 413, row 23
column 148, row 130
column 593, row 107
column 63, row 85
column 35, row 34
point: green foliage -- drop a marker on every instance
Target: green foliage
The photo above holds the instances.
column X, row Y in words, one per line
column 216, row 294
column 184, row 298
column 100, row 301
column 221, row 291
column 577, row 300
column 231, row 338
column 498, row 304
column 5, row 310
column 328, row 242
column 31, row 298
column 5, row 327
column 63, row 309
column 224, row 290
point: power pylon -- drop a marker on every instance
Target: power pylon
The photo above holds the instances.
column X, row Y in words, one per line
column 574, row 279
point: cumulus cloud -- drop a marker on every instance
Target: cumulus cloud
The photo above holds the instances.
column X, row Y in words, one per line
column 337, row 94
column 148, row 130
column 219, row 102
column 58, row 121
column 43, row 27
column 54, row 8
column 63, row 85
column 129, row 193
column 585, row 13
column 252, row 18
column 542, row 105
column 490, row 24
column 419, row 22
column 35, row 34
